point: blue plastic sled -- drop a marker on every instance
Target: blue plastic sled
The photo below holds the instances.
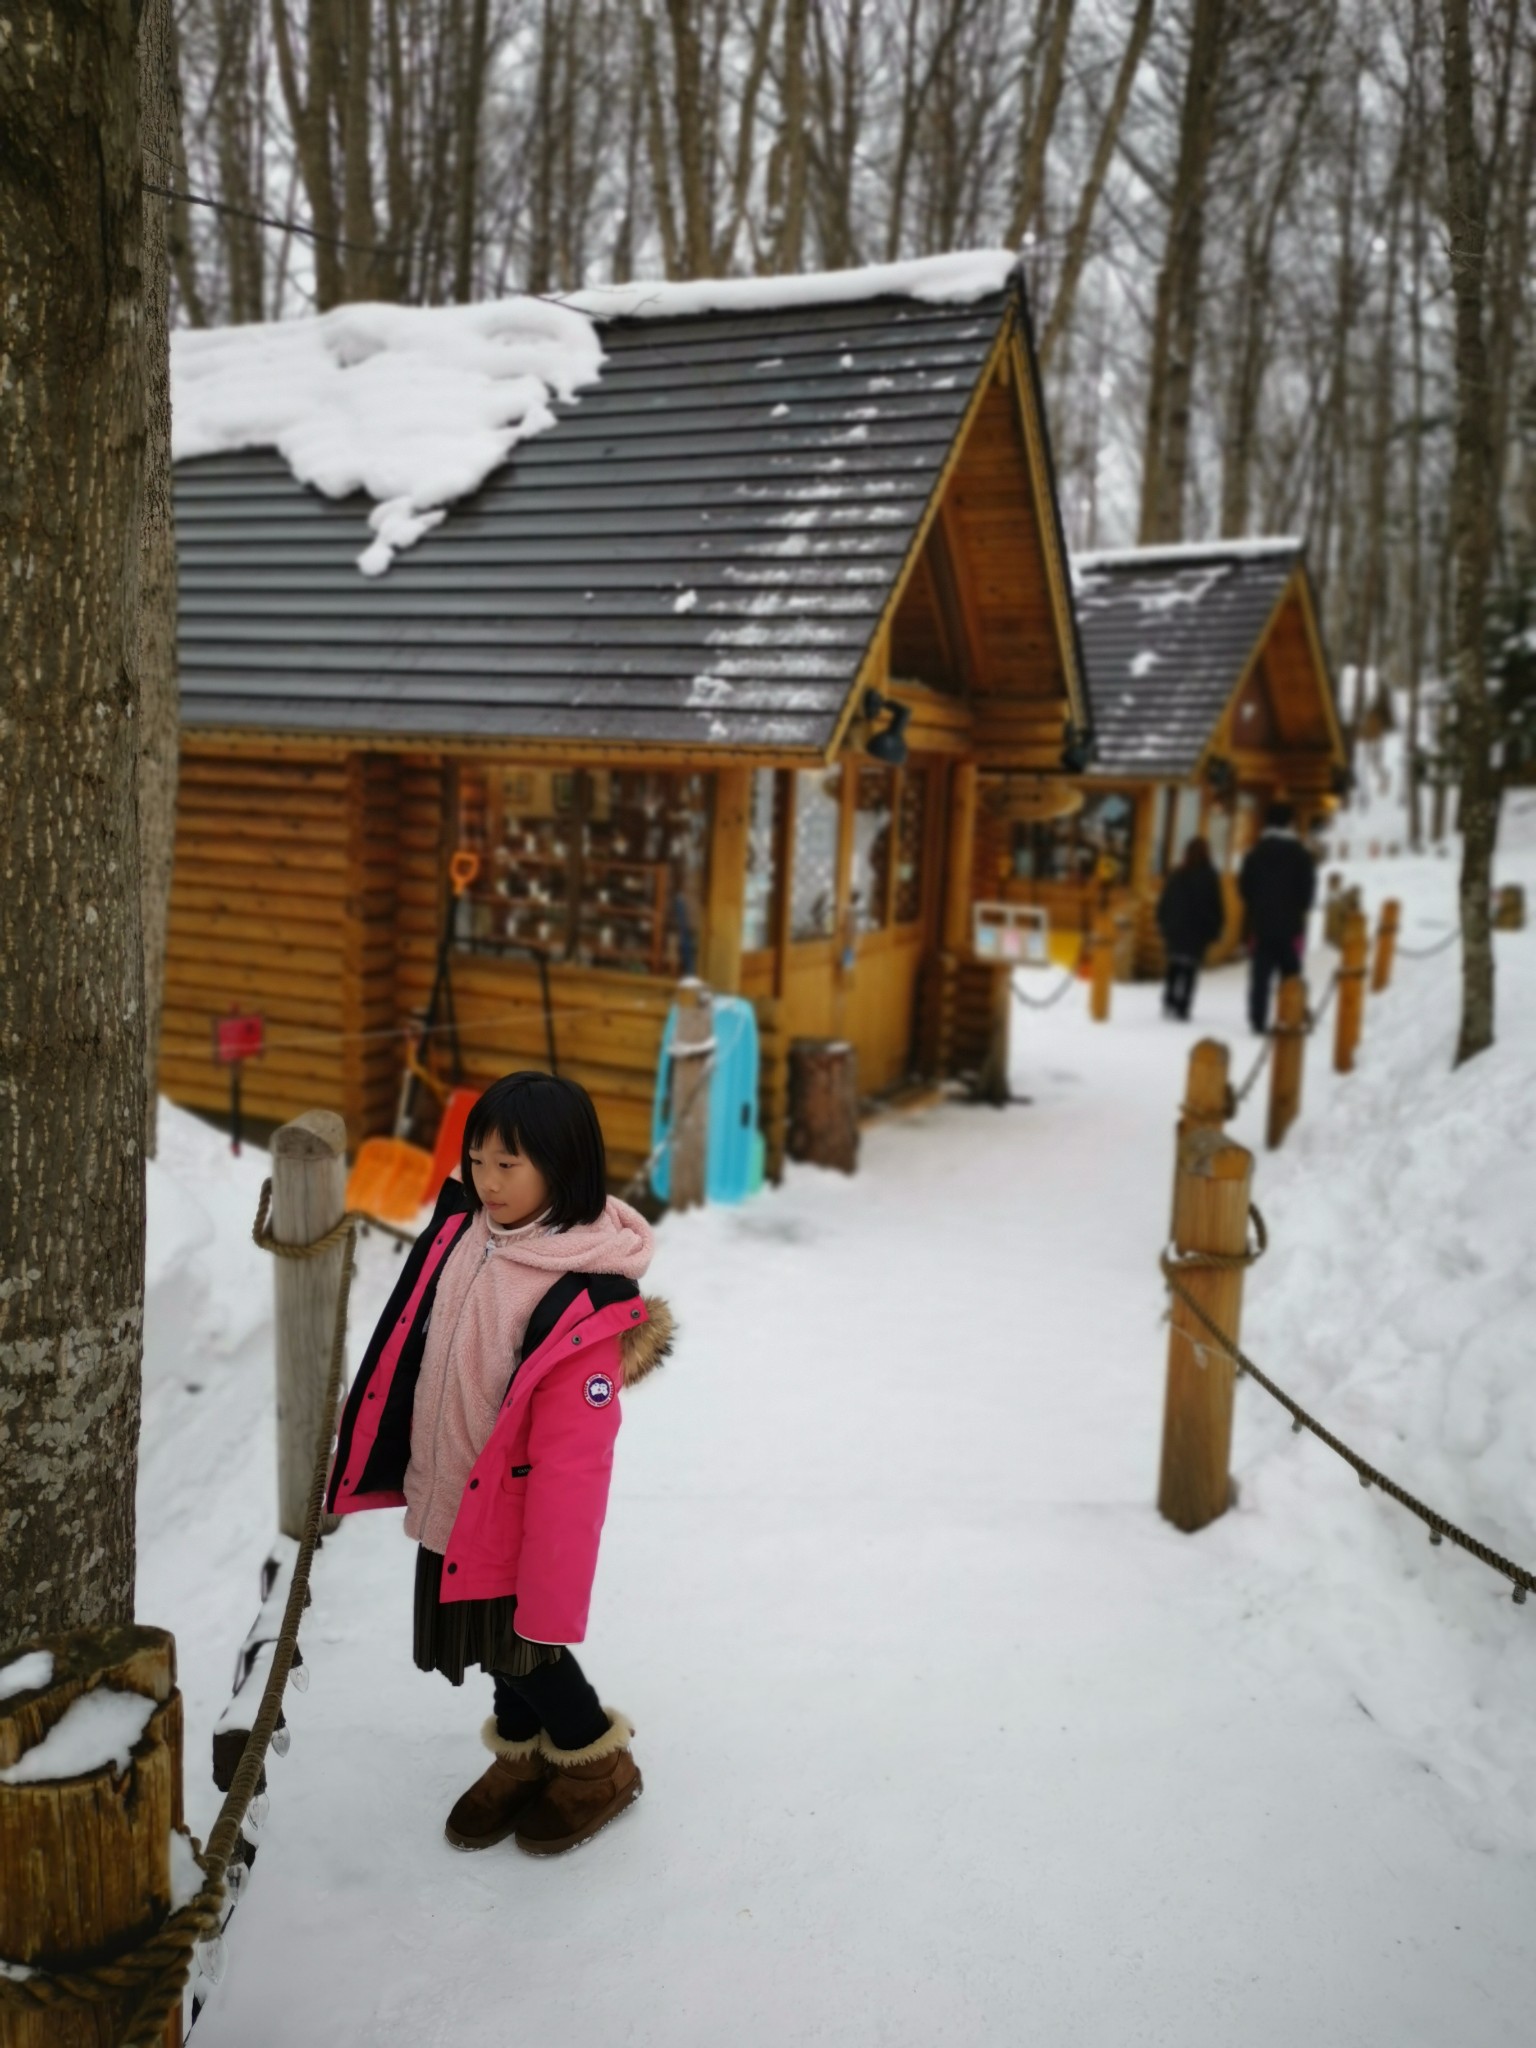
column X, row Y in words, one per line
column 733, row 1168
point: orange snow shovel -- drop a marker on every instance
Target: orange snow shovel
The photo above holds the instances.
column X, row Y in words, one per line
column 391, row 1177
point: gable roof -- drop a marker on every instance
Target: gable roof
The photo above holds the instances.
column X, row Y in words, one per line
column 1167, row 636
column 698, row 553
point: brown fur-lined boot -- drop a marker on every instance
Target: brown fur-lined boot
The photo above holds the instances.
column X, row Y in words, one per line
column 488, row 1812
column 587, row 1789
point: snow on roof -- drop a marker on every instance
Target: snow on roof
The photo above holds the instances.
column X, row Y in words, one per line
column 955, row 279
column 1187, row 553
column 417, row 405
column 413, row 405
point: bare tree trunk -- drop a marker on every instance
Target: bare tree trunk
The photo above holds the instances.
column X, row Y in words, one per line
column 692, row 153
column 656, row 146
column 1103, row 155
column 1417, row 596
column 309, row 115
column 1471, row 530
column 159, row 703
column 467, row 156
column 1036, row 126
column 359, row 264
column 1256, row 310
column 1165, row 459
column 71, row 998
column 183, row 255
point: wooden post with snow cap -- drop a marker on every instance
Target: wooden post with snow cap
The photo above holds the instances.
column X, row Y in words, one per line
column 1210, row 1217
column 1386, row 945
column 93, row 1848
column 693, row 1047
column 1285, row 1067
column 1103, row 944
column 1351, row 1005
column 1207, row 1096
column 309, row 1189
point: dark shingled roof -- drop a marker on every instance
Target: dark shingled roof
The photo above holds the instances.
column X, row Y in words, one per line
column 699, row 552
column 1167, row 634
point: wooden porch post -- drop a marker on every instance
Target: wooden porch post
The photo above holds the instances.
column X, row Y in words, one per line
column 964, row 787
column 720, row 958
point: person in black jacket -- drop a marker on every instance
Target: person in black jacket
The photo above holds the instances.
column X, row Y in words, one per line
column 1277, row 882
column 1190, row 915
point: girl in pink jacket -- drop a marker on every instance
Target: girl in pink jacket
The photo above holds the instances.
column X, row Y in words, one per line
column 486, row 1404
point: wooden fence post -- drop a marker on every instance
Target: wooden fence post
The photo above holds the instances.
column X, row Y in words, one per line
column 86, row 1857
column 1210, row 1214
column 1207, row 1098
column 1285, row 1064
column 309, row 1191
column 1103, row 943
column 693, row 1046
column 1352, row 970
column 1386, row 944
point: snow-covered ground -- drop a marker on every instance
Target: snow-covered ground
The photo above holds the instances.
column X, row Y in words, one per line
column 947, row 1737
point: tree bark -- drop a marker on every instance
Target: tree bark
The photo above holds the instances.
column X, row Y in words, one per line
column 1472, row 483
column 309, row 115
column 1076, row 255
column 1165, row 457
column 1035, row 127
column 159, row 700
column 71, row 999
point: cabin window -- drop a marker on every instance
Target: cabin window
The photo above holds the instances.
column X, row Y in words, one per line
column 874, row 812
column 601, row 867
column 1071, row 849
column 764, row 826
column 911, row 837
column 813, row 875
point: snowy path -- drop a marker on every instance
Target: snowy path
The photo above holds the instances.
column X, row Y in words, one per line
column 947, row 1738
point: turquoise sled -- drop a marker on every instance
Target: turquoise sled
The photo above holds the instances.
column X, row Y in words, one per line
column 733, row 1167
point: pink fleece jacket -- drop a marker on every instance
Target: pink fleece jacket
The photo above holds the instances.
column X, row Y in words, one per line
column 492, row 1283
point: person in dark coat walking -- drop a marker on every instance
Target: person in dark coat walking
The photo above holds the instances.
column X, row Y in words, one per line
column 1277, row 882
column 1190, row 916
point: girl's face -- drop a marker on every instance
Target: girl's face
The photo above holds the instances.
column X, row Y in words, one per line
column 508, row 1183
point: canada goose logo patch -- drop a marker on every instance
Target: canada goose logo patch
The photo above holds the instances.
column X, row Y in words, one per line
column 599, row 1390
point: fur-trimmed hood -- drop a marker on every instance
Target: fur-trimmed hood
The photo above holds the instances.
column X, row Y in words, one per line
column 643, row 1348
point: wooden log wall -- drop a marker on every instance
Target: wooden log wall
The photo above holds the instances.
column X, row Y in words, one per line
column 258, row 918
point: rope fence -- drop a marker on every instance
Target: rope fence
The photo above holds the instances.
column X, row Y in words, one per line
column 1173, row 1263
column 1045, row 1002
column 155, row 1972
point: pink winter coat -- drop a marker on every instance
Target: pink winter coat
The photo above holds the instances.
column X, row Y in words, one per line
column 526, row 1470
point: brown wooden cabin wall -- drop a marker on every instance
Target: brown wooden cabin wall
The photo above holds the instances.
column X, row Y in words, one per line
column 259, row 919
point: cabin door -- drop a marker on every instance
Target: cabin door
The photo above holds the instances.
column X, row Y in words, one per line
column 892, row 834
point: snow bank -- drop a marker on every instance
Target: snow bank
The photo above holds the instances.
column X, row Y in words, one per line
column 413, row 405
column 956, row 279
column 98, row 1729
column 26, row 1674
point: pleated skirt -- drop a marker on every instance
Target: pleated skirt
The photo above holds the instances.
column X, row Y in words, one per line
column 451, row 1634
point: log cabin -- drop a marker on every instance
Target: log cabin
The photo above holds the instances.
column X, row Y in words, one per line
column 649, row 672
column 1212, row 697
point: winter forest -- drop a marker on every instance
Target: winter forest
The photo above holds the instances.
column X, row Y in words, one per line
column 831, row 703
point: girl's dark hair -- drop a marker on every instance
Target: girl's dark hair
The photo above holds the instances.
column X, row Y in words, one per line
column 1197, row 854
column 552, row 1122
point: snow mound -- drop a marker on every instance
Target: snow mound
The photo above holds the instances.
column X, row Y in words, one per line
column 413, row 405
column 98, row 1729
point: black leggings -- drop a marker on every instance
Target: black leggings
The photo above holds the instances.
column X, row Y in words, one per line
column 555, row 1697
